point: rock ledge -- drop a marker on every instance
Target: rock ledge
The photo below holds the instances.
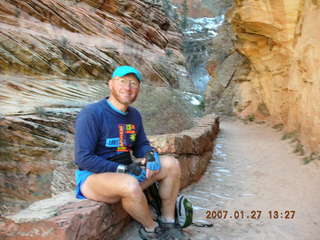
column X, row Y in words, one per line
column 63, row 217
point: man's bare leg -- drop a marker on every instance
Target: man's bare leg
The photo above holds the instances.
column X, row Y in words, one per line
column 169, row 179
column 115, row 187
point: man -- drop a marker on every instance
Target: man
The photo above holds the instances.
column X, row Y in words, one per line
column 106, row 132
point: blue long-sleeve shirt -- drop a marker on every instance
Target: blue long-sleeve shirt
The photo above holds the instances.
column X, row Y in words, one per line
column 102, row 131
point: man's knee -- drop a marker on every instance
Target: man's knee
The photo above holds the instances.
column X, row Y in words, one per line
column 170, row 164
column 132, row 188
column 111, row 187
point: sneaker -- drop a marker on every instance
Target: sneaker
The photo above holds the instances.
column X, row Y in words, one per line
column 174, row 231
column 158, row 234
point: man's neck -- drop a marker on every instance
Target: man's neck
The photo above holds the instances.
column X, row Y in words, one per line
column 121, row 107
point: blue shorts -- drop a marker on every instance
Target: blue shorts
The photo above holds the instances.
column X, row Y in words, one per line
column 81, row 177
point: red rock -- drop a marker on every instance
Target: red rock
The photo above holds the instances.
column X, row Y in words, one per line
column 63, row 217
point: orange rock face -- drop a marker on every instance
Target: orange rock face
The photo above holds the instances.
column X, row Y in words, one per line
column 281, row 40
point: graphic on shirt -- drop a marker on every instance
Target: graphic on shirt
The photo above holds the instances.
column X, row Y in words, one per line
column 112, row 142
column 133, row 137
column 127, row 137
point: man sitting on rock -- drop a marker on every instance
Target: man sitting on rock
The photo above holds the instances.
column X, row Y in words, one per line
column 106, row 132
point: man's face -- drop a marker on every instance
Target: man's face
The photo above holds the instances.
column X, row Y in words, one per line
column 124, row 89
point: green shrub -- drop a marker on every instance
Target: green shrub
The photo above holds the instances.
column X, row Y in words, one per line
column 251, row 117
column 299, row 149
column 293, row 134
column 311, row 157
column 278, row 126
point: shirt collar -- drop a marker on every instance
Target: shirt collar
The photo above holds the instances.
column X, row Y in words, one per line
column 116, row 109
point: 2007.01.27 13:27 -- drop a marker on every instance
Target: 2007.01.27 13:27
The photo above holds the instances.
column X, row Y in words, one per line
column 253, row 214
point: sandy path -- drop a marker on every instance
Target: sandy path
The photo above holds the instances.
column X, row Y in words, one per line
column 254, row 170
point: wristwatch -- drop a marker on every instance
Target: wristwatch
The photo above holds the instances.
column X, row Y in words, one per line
column 121, row 168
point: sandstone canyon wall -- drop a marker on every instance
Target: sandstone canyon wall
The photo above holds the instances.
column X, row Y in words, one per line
column 55, row 57
column 280, row 40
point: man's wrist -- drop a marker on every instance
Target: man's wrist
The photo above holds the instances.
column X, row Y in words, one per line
column 121, row 168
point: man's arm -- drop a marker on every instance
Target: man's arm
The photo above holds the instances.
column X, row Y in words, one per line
column 86, row 138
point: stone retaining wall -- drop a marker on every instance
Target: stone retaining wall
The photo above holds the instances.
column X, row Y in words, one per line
column 63, row 217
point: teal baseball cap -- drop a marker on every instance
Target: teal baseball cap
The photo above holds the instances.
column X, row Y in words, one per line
column 125, row 70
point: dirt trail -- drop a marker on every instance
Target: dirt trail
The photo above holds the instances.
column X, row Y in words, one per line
column 254, row 170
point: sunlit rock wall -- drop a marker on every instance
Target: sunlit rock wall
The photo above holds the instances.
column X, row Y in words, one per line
column 281, row 40
column 55, row 57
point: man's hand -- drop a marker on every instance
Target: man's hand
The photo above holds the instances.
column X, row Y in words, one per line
column 135, row 170
column 153, row 163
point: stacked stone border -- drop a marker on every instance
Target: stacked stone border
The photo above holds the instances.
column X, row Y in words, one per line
column 65, row 218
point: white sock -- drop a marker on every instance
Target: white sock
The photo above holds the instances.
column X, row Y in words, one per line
column 151, row 229
column 166, row 220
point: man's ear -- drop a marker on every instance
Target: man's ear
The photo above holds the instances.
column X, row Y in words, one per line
column 109, row 83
